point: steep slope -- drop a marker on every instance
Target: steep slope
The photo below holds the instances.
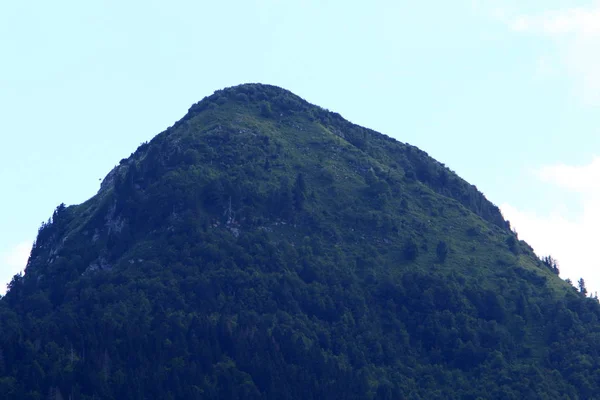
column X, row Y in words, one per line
column 265, row 248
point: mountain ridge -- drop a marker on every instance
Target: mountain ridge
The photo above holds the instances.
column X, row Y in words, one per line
column 263, row 247
column 286, row 102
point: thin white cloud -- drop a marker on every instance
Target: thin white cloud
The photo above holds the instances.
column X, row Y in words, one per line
column 576, row 35
column 572, row 238
column 573, row 21
column 578, row 178
column 13, row 261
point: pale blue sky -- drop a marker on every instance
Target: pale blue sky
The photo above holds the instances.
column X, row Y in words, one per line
column 500, row 92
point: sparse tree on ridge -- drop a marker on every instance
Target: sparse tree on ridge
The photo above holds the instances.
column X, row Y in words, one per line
column 582, row 288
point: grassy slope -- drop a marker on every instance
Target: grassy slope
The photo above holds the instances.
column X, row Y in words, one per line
column 335, row 172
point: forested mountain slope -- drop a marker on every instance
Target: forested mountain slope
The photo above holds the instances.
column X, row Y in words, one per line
column 265, row 248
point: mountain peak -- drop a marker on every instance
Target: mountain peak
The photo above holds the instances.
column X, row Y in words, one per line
column 263, row 247
column 275, row 96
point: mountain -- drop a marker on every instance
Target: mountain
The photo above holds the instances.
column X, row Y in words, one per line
column 265, row 248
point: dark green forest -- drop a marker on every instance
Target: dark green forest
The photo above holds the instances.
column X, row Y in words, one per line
column 265, row 248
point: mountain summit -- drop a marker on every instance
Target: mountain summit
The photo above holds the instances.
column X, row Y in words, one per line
column 265, row 248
